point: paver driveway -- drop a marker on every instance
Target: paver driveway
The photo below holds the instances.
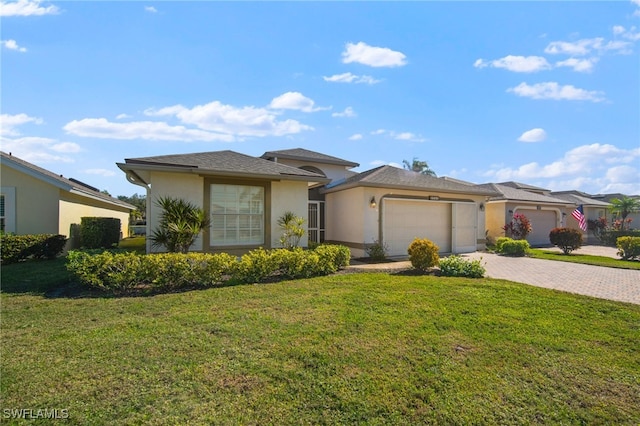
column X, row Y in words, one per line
column 622, row 285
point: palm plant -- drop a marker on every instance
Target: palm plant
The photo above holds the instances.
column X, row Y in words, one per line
column 624, row 206
column 292, row 227
column 180, row 224
column 419, row 166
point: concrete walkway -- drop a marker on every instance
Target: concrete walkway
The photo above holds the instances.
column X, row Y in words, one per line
column 621, row 285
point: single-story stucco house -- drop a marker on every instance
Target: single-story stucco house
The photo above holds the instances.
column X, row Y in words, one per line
column 36, row 201
column 634, row 216
column 592, row 209
column 543, row 211
column 245, row 196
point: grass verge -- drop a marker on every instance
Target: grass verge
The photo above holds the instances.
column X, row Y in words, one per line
column 584, row 259
column 344, row 349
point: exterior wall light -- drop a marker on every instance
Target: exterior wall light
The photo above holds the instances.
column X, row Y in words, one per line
column 481, row 207
column 372, row 202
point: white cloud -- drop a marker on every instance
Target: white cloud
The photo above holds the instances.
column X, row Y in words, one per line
column 355, row 137
column 99, row 172
column 348, row 77
column 148, row 130
column 378, row 132
column 631, row 34
column 38, row 150
column 516, row 63
column 8, row 123
column 533, row 135
column 592, row 168
column 579, row 65
column 230, row 120
column 348, row 112
column 552, row 90
column 364, row 54
column 407, row 136
column 122, row 116
column 26, row 8
column 295, row 101
column 587, row 46
column 12, row 45
column 151, row 9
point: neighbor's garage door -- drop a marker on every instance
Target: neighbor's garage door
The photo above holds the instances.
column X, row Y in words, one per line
column 542, row 222
column 405, row 220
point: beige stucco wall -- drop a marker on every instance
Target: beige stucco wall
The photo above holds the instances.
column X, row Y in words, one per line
column 288, row 196
column 495, row 218
column 36, row 203
column 351, row 220
column 74, row 207
column 186, row 186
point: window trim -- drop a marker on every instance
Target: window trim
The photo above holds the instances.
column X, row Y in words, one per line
column 9, row 193
column 266, row 185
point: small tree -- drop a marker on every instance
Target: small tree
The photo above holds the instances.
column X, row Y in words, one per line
column 292, row 230
column 419, row 166
column 623, row 207
column 518, row 228
column 423, row 254
column 180, row 224
column 566, row 239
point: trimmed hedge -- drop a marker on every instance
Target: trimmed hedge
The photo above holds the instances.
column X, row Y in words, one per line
column 39, row 246
column 628, row 247
column 121, row 272
column 456, row 266
column 610, row 237
column 510, row 247
column 567, row 239
column 99, row 232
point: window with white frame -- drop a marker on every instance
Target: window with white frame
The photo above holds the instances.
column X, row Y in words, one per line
column 237, row 215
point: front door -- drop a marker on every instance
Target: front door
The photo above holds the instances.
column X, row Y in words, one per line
column 315, row 222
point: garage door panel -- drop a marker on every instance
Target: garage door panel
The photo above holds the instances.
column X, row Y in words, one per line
column 465, row 227
column 542, row 222
column 406, row 220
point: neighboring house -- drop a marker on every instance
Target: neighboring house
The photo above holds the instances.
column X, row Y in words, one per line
column 244, row 196
column 36, row 201
column 545, row 212
column 392, row 206
column 635, row 217
column 592, row 209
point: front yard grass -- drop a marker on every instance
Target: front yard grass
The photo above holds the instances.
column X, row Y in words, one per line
column 344, row 349
column 584, row 259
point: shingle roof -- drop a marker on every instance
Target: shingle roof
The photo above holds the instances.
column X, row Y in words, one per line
column 62, row 182
column 307, row 155
column 578, row 197
column 509, row 193
column 223, row 162
column 524, row 186
column 394, row 177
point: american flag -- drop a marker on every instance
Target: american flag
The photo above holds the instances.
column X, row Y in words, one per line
column 578, row 214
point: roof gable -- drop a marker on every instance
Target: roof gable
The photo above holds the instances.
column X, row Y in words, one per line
column 59, row 181
column 307, row 155
column 222, row 162
column 394, row 177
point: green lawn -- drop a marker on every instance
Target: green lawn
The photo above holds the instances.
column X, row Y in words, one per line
column 585, row 259
column 344, row 349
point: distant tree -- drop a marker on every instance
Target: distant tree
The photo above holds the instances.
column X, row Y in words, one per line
column 140, row 203
column 624, row 206
column 419, row 166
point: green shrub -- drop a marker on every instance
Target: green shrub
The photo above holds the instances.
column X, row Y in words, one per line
column 423, row 254
column 610, row 237
column 120, row 271
column 99, row 232
column 628, row 247
column 567, row 239
column 377, row 251
column 21, row 247
column 456, row 266
column 510, row 247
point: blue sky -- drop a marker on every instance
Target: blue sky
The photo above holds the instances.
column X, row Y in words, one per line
column 546, row 93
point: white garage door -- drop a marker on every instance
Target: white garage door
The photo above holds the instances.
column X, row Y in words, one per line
column 405, row 220
column 542, row 222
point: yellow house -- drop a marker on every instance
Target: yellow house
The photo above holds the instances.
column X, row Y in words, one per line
column 36, row 201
